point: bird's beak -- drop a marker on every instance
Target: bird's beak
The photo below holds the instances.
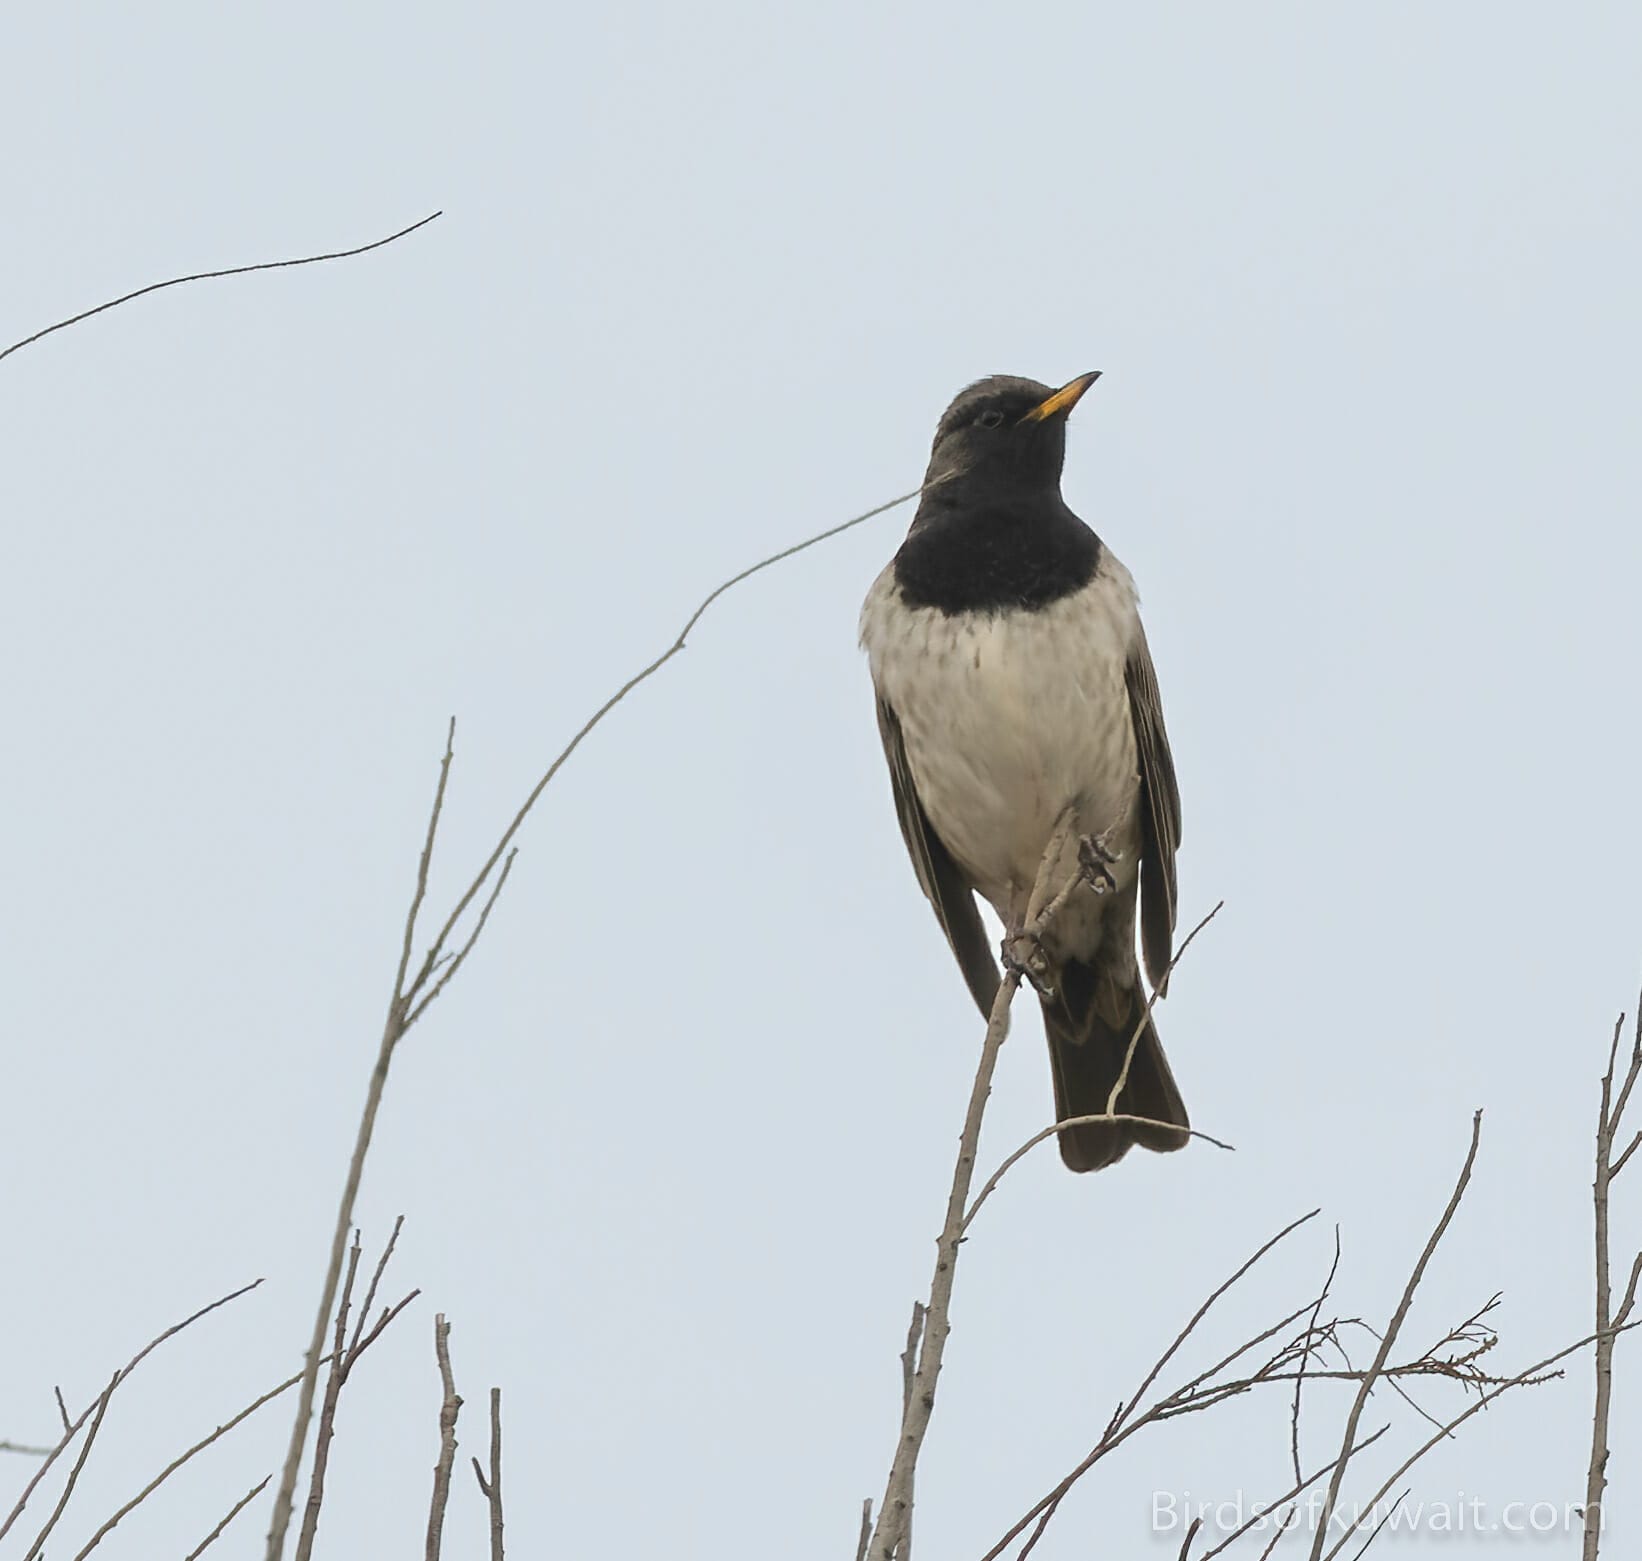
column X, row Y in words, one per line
column 1063, row 399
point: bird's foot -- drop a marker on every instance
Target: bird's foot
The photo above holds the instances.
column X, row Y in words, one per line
column 1024, row 956
column 1096, row 859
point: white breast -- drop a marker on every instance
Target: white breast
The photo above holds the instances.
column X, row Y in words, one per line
column 1012, row 717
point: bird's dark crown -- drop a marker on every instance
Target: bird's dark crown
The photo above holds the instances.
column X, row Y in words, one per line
column 1005, row 394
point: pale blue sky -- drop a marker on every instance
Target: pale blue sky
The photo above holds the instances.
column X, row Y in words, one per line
column 672, row 1152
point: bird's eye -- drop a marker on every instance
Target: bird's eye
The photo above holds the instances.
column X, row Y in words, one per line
column 991, row 419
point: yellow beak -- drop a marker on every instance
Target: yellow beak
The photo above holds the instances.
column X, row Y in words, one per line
column 1063, row 399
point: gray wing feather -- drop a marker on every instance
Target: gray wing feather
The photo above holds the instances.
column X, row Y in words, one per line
column 1159, row 813
column 938, row 874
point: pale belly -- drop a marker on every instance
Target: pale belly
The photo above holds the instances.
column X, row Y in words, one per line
column 1012, row 719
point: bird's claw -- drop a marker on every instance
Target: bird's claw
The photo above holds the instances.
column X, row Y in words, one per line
column 1024, row 956
column 1096, row 859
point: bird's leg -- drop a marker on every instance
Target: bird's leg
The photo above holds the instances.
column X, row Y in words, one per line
column 1024, row 956
column 1096, row 859
column 1023, row 951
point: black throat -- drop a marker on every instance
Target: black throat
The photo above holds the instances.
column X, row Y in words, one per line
column 986, row 555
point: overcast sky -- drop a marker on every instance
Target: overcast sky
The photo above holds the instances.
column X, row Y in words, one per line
column 672, row 1151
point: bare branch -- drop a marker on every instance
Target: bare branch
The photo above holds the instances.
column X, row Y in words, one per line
column 355, row 1347
column 450, row 1406
column 1110, row 1114
column 1299, row 1381
column 1332, row 1496
column 644, row 674
column 327, row 1414
column 69, row 1429
column 409, row 999
column 233, row 1512
column 1046, row 1133
column 891, row 1534
column 74, row 1473
column 217, row 1435
column 1536, row 1372
column 493, row 1486
column 1151, row 1003
column 1300, row 1485
column 1610, row 1113
column 1390, row 1512
column 207, row 276
column 25, row 1449
column 454, row 962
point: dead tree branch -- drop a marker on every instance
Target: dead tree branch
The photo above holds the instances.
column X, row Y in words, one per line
column 1388, row 1340
column 233, row 1512
column 412, row 993
column 491, row 1488
column 207, row 276
column 891, row 1535
column 450, row 1406
column 70, row 1428
column 1608, row 1320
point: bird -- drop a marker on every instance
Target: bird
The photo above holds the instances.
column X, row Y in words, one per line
column 1018, row 706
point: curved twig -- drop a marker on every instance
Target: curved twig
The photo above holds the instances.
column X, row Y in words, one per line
column 207, row 276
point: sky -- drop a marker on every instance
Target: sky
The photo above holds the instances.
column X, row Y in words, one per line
column 672, row 1151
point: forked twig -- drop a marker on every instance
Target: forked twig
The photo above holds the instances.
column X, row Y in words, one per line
column 491, row 1488
column 70, row 1428
column 1609, row 1117
column 891, row 1533
column 412, row 993
column 1331, row 1496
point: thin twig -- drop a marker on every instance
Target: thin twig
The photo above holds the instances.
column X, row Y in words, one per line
column 1331, row 1497
column 408, row 1000
column 69, row 1429
column 25, row 1449
column 456, row 960
column 1300, row 1485
column 233, row 1512
column 449, row 1407
column 1299, row 1381
column 1390, row 1513
column 866, row 1530
column 891, row 1533
column 436, row 949
column 207, row 276
column 375, row 1284
column 215, row 1436
column 327, row 1413
column 1609, row 1115
column 1124, row 1423
column 1110, row 1114
column 1151, row 1003
column 393, row 1026
column 492, row 1487
column 1043, row 1135
column 74, row 1473
column 1533, row 1373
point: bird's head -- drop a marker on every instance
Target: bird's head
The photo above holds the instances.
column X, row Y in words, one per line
column 1005, row 433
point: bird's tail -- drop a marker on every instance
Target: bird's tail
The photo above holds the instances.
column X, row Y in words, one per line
column 1086, row 1053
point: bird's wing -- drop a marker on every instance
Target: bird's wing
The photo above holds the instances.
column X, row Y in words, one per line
column 1160, row 813
column 938, row 874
